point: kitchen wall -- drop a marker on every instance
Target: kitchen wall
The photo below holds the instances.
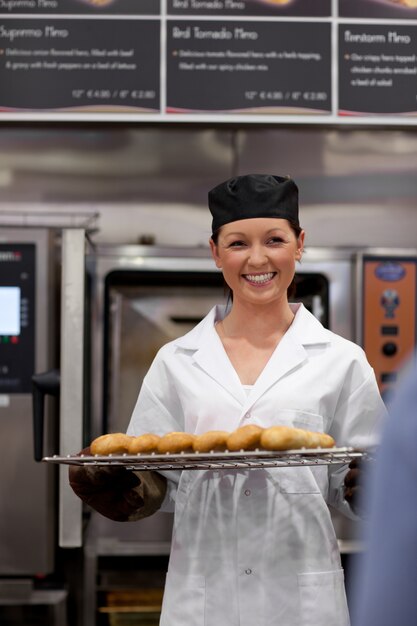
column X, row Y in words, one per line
column 358, row 186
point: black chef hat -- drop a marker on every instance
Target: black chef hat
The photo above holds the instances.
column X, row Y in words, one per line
column 253, row 195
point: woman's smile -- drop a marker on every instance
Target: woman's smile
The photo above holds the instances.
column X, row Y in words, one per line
column 260, row 279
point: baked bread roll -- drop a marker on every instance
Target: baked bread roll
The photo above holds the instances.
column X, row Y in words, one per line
column 215, row 440
column 245, row 438
column 289, row 438
column 313, row 439
column 284, row 438
column 112, row 443
column 326, row 441
column 175, row 442
column 144, row 444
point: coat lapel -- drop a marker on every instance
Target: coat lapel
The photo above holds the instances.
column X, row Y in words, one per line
column 208, row 353
column 290, row 353
column 210, row 356
column 287, row 356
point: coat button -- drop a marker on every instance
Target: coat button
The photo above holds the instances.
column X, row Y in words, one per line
column 247, row 415
column 248, row 571
column 247, row 492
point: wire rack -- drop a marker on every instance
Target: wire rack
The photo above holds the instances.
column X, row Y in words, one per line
column 218, row 460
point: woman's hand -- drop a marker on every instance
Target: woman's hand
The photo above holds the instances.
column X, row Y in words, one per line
column 110, row 490
column 354, row 487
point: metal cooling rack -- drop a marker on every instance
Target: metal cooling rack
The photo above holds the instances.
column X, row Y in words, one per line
column 218, row 460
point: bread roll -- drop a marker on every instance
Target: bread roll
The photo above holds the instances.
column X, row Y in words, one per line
column 283, row 438
column 144, row 444
column 288, row 438
column 326, row 441
column 112, row 443
column 175, row 442
column 215, row 440
column 313, row 439
column 245, row 438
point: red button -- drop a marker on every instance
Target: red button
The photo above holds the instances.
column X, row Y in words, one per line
column 14, row 339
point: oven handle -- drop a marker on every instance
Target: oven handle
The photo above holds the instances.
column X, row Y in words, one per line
column 47, row 383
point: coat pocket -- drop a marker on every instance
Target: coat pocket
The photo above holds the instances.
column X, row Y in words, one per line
column 323, row 599
column 296, row 418
column 184, row 600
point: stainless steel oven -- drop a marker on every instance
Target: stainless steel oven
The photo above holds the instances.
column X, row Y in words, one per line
column 27, row 344
column 42, row 300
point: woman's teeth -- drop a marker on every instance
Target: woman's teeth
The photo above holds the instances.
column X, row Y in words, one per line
column 259, row 278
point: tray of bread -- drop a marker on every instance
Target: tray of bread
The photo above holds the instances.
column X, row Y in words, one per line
column 249, row 446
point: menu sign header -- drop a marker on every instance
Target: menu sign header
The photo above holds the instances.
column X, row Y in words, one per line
column 292, row 61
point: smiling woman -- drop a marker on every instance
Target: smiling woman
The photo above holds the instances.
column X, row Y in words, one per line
column 255, row 545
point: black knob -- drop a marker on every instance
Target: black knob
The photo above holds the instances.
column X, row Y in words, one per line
column 390, row 348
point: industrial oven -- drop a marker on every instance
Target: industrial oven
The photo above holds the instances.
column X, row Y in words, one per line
column 42, row 306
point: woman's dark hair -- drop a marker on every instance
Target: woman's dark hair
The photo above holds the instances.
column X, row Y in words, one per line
column 291, row 287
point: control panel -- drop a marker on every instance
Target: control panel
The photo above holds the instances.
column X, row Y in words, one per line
column 389, row 314
column 17, row 317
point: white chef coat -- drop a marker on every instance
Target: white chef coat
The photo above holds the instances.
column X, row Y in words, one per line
column 257, row 547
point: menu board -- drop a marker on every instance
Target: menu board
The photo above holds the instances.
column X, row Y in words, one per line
column 234, row 66
column 79, row 65
column 293, row 61
column 377, row 69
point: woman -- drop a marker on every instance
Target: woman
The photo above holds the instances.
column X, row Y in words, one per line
column 257, row 546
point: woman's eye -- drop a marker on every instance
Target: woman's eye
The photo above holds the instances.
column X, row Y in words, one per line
column 236, row 244
column 276, row 240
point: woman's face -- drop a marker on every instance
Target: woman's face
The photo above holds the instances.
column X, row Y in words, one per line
column 257, row 257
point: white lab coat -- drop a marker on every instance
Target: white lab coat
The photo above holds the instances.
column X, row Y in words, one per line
column 257, row 547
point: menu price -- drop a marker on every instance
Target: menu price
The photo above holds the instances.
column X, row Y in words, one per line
column 257, row 67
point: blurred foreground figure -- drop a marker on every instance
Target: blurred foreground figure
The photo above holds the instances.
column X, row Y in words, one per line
column 385, row 591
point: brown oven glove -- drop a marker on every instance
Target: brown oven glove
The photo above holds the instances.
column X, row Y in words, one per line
column 353, row 487
column 118, row 493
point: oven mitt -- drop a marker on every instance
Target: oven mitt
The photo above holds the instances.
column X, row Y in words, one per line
column 117, row 493
column 353, row 487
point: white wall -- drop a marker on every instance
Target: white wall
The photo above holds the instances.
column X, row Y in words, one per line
column 174, row 224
